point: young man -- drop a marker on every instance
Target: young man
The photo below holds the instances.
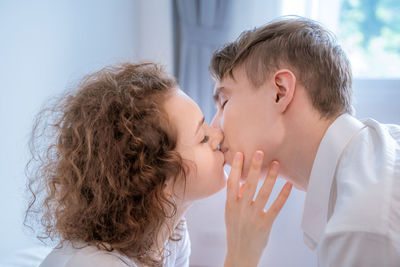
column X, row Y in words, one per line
column 286, row 89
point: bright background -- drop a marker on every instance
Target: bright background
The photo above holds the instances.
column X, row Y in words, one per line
column 47, row 46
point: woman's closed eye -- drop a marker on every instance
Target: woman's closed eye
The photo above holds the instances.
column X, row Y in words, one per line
column 205, row 139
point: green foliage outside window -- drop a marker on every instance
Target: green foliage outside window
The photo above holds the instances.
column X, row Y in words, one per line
column 370, row 31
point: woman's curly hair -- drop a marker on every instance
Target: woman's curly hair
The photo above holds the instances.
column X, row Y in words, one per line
column 100, row 159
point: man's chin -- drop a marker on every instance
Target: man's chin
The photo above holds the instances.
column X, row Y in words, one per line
column 227, row 164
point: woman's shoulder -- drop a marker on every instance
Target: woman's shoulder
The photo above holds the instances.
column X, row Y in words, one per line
column 85, row 256
column 178, row 252
column 92, row 256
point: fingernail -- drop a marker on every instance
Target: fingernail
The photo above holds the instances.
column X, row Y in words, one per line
column 275, row 166
column 238, row 156
column 259, row 155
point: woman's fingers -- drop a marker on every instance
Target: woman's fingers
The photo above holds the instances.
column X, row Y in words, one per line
column 247, row 191
column 234, row 178
column 241, row 189
column 248, row 225
column 266, row 188
column 252, row 177
column 276, row 207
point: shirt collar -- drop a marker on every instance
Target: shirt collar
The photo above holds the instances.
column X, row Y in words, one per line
column 330, row 150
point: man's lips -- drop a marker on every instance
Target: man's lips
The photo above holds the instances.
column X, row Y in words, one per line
column 224, row 150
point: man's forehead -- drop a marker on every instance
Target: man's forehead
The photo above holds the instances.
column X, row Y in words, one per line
column 230, row 78
column 221, row 89
column 228, row 82
column 224, row 85
column 218, row 89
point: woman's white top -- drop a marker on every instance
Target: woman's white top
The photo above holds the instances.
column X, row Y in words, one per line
column 176, row 254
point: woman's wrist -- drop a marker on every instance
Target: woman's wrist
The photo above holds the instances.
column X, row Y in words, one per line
column 232, row 260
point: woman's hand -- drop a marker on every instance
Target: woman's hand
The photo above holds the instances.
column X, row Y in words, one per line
column 247, row 223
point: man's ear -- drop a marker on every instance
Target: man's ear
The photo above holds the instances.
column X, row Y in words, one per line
column 285, row 84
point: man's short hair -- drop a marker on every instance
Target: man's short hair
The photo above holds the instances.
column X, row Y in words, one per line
column 301, row 45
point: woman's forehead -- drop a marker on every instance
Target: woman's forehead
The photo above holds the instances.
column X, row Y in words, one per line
column 183, row 112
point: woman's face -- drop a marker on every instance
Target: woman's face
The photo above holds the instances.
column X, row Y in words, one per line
column 197, row 143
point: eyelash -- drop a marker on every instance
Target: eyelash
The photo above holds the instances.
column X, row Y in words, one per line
column 223, row 104
column 205, row 139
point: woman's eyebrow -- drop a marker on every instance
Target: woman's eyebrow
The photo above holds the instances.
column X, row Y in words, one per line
column 199, row 125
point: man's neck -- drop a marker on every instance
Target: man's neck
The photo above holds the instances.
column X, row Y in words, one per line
column 301, row 146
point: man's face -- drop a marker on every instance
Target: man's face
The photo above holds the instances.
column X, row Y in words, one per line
column 249, row 118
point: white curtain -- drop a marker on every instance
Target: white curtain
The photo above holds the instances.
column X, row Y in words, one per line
column 202, row 26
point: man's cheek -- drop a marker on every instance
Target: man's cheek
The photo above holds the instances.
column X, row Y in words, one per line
column 229, row 122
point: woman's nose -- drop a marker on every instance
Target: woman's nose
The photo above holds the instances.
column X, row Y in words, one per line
column 218, row 137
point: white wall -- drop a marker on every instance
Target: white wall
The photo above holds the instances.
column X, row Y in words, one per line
column 46, row 47
column 378, row 99
column 156, row 32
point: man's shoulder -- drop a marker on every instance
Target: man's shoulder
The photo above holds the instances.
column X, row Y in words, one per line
column 383, row 131
column 375, row 143
column 367, row 180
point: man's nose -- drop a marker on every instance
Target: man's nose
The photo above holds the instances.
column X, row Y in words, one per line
column 215, row 123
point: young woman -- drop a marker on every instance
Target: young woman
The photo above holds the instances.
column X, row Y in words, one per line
column 119, row 161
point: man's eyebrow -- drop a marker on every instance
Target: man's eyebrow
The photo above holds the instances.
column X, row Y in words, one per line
column 217, row 91
column 199, row 125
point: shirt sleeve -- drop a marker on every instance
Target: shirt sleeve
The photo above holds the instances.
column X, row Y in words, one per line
column 365, row 249
column 96, row 260
column 184, row 250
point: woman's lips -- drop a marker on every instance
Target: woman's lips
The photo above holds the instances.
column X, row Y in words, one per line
column 224, row 150
column 226, row 160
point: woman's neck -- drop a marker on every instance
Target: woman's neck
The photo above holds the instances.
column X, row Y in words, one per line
column 170, row 225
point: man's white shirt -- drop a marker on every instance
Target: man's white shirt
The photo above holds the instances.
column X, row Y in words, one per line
column 352, row 208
